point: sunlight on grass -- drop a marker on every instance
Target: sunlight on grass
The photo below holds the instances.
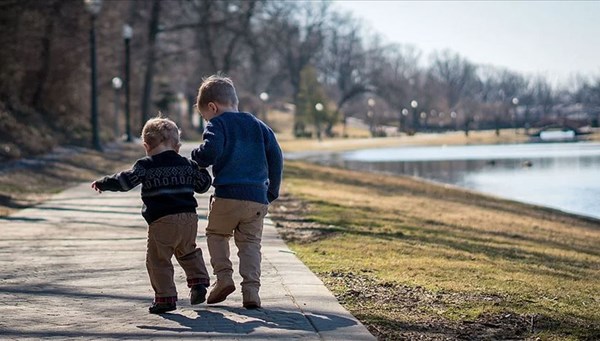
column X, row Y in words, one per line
column 499, row 256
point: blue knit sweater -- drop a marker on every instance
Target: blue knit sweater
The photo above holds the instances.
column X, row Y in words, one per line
column 246, row 159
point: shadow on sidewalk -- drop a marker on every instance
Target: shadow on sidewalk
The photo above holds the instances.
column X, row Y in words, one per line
column 69, row 293
column 25, row 219
column 243, row 321
column 75, row 209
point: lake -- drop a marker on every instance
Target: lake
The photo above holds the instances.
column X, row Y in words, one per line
column 564, row 176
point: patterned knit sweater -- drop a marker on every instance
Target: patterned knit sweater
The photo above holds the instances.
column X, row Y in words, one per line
column 168, row 180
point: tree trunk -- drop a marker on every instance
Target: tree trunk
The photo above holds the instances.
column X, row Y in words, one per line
column 150, row 60
column 45, row 56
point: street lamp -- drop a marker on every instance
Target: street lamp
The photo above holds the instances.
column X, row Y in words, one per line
column 93, row 7
column 117, row 83
column 414, row 104
column 318, row 107
column 402, row 119
column 515, row 102
column 424, row 118
column 127, row 34
column 264, row 97
column 371, row 114
column 454, row 120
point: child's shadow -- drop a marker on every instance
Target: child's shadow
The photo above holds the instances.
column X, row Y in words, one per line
column 243, row 321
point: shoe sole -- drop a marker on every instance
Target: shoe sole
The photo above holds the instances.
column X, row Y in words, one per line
column 198, row 301
column 251, row 306
column 222, row 295
column 161, row 311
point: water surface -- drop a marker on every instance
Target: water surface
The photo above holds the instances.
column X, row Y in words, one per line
column 564, row 176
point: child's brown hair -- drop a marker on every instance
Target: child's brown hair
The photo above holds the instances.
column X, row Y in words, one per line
column 160, row 129
column 216, row 88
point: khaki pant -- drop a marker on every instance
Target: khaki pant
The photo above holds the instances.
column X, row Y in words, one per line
column 244, row 221
column 170, row 235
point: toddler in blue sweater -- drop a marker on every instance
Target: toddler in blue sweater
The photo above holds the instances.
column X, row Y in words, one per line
column 247, row 166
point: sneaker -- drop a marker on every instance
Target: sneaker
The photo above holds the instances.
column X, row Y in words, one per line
column 159, row 308
column 220, row 291
column 250, row 299
column 197, row 294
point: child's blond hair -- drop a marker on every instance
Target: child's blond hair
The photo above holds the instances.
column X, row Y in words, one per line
column 217, row 88
column 160, row 129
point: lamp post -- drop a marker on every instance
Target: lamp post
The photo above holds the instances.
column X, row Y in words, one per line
column 371, row 115
column 264, row 97
column 515, row 102
column 93, row 7
column 127, row 34
column 318, row 107
column 401, row 124
column 454, row 120
column 414, row 104
column 117, row 83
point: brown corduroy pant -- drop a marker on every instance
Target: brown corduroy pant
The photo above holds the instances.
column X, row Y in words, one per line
column 244, row 221
column 170, row 235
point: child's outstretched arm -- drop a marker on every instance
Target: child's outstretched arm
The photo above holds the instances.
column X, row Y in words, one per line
column 212, row 147
column 122, row 181
column 95, row 187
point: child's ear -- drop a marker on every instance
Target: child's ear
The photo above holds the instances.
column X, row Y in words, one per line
column 146, row 146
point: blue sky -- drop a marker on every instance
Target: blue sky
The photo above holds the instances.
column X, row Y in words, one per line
column 555, row 39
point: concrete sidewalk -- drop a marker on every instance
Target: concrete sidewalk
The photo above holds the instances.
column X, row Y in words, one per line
column 74, row 267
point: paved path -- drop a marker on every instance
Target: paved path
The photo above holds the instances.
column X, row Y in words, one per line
column 74, row 267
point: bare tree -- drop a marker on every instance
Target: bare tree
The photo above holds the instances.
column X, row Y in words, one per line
column 394, row 71
column 297, row 34
column 342, row 63
column 153, row 29
column 588, row 93
column 457, row 74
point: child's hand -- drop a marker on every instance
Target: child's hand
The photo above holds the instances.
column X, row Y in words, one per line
column 95, row 187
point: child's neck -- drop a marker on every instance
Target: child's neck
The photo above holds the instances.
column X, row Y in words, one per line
column 159, row 149
column 226, row 109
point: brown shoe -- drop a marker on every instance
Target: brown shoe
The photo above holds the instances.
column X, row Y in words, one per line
column 250, row 299
column 220, row 291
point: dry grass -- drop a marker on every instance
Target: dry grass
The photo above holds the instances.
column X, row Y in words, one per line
column 29, row 181
column 449, row 138
column 485, row 257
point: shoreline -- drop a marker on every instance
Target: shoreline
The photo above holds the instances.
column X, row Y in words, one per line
column 551, row 210
column 480, row 137
column 432, row 182
column 486, row 137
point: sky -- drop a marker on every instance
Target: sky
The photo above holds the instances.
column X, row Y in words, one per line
column 555, row 39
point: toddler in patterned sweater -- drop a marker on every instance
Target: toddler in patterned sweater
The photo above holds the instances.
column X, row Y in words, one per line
column 168, row 181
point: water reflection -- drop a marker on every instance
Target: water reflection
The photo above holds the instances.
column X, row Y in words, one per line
column 564, row 176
